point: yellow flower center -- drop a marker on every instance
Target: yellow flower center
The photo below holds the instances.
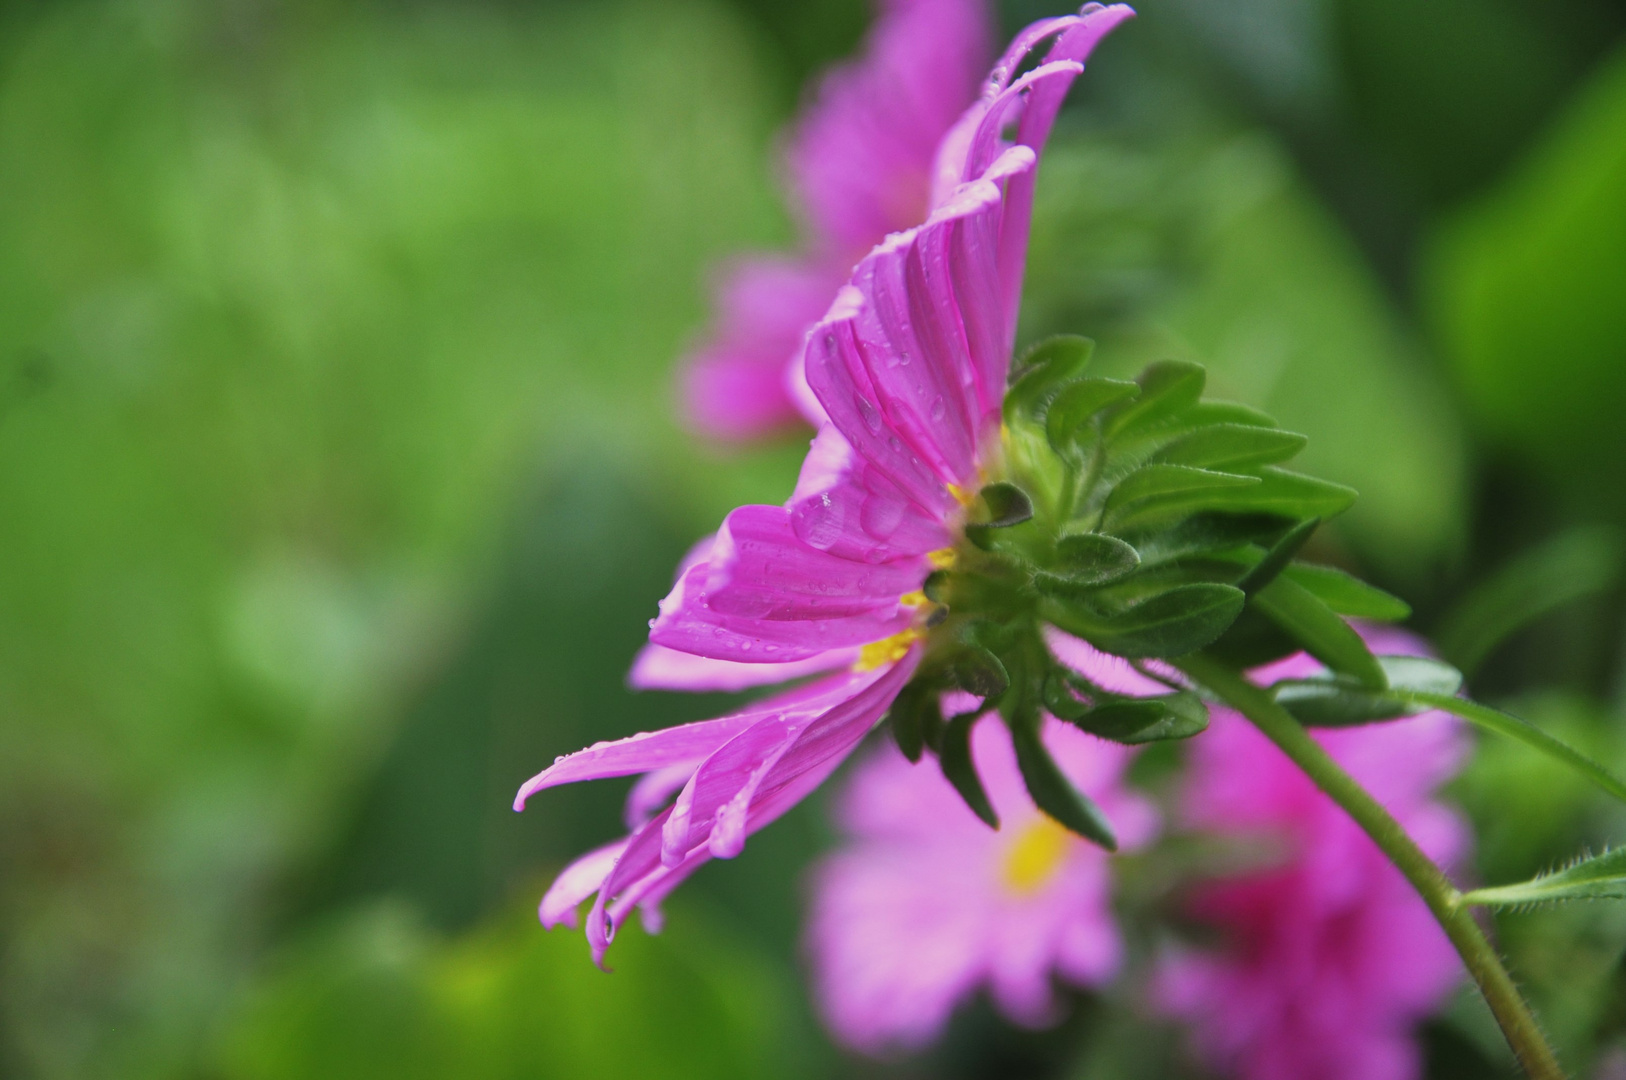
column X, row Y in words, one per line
column 886, row 651
column 1034, row 856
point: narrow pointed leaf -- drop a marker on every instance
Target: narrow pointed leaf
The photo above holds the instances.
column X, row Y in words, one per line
column 1294, row 495
column 1578, row 563
column 1348, row 595
column 1602, row 877
column 1174, row 623
column 916, row 709
column 1513, row 727
column 1144, row 720
column 1231, row 446
column 955, row 757
column 1319, row 631
column 1055, row 794
column 1340, row 701
column 1276, row 559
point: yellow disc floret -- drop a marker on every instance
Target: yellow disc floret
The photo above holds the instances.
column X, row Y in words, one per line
column 1035, row 855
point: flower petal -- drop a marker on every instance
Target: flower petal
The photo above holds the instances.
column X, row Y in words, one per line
column 760, row 569
column 659, row 668
column 576, row 883
column 847, row 507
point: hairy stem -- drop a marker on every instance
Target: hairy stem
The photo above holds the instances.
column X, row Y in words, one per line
column 1512, row 1013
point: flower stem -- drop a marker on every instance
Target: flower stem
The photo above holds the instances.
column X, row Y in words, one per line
column 1512, row 1013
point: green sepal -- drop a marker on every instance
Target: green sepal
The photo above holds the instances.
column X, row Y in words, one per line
column 935, row 587
column 1087, row 560
column 1007, row 505
column 1601, row 877
column 1227, row 446
column 1044, row 369
column 954, row 755
column 1166, row 388
column 1072, row 408
column 1319, row 631
column 1158, row 493
column 1348, row 595
column 1294, row 495
column 915, row 713
column 1276, row 559
column 1205, row 534
column 1340, row 701
column 1058, row 696
column 978, row 671
column 1173, row 623
column 1144, row 720
column 1052, row 792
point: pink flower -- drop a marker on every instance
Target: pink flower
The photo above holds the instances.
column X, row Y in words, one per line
column 859, row 163
column 1329, row 958
column 925, row 903
column 910, row 364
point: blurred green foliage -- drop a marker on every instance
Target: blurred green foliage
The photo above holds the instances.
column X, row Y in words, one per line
column 1525, row 286
column 375, row 995
column 341, row 475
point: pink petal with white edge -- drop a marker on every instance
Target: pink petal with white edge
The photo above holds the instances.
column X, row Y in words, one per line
column 659, row 668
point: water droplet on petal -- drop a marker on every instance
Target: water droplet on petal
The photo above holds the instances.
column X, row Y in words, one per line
column 938, row 408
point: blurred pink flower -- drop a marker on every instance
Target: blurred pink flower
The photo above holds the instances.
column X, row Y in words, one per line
column 1329, row 958
column 925, row 904
column 830, row 582
column 859, row 164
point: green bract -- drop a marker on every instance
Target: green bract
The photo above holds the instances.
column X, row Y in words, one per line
column 1149, row 522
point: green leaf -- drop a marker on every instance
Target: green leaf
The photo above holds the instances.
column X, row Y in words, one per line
column 1513, row 727
column 1276, row 559
column 1348, row 595
column 1084, row 559
column 978, row 671
column 1059, row 698
column 1144, row 720
column 1602, row 877
column 1166, row 388
column 1229, row 445
column 1294, row 495
column 961, row 771
column 1578, row 563
column 1340, row 701
column 1007, row 505
column 916, row 712
column 1165, row 492
column 1319, row 631
column 1044, row 369
column 1051, row 790
column 1073, row 407
column 1170, row 624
